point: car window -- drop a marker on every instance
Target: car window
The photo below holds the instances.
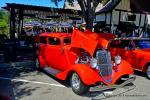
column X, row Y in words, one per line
column 54, row 41
column 67, row 40
column 43, row 40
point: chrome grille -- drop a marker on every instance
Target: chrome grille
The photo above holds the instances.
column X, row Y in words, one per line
column 104, row 64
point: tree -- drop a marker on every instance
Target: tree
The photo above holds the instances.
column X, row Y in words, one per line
column 88, row 8
column 3, row 22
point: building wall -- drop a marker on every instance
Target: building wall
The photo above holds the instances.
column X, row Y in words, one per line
column 102, row 16
column 124, row 4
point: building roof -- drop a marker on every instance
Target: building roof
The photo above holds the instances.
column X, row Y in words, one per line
column 109, row 6
column 43, row 12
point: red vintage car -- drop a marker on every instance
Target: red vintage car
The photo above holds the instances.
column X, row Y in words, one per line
column 136, row 51
column 83, row 58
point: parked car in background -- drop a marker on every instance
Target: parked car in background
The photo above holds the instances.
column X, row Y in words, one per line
column 83, row 58
column 136, row 51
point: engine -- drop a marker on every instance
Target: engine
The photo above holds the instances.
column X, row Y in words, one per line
column 83, row 58
column 101, row 61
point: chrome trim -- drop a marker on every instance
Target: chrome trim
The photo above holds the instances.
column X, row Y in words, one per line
column 104, row 87
column 104, row 65
column 75, row 81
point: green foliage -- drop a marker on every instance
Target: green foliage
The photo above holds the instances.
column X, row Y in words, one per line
column 4, row 16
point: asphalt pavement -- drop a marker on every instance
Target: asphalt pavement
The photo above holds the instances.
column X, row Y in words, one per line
column 21, row 81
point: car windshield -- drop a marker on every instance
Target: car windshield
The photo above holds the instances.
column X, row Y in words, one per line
column 142, row 44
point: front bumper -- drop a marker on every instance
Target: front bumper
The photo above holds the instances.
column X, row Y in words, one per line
column 107, row 87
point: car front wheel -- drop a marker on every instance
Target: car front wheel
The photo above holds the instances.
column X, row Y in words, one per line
column 148, row 72
column 77, row 85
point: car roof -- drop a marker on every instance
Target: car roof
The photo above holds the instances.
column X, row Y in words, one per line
column 57, row 35
column 132, row 38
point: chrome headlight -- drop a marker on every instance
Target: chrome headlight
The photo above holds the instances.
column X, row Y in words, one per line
column 117, row 60
column 93, row 63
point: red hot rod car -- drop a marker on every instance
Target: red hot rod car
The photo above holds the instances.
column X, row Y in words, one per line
column 136, row 51
column 81, row 57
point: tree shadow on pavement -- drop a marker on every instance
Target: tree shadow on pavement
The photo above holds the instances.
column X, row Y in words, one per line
column 15, row 90
column 6, row 90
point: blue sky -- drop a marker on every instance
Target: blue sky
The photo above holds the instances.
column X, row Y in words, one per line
column 46, row 3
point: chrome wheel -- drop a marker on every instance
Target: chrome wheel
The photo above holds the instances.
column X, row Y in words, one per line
column 77, row 85
column 75, row 81
column 148, row 72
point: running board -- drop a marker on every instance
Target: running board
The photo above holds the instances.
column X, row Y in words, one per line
column 51, row 71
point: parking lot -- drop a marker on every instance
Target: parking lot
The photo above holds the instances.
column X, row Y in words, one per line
column 21, row 81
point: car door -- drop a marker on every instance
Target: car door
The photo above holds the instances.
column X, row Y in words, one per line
column 137, row 55
column 55, row 56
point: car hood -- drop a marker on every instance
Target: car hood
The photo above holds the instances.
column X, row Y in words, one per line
column 143, row 53
column 88, row 41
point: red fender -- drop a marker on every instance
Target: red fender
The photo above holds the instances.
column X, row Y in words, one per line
column 123, row 69
column 88, row 75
